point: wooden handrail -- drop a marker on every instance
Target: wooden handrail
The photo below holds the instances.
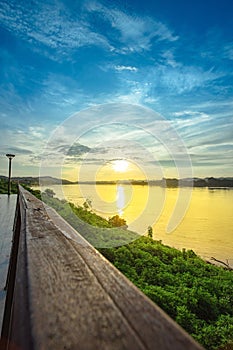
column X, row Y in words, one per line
column 63, row 294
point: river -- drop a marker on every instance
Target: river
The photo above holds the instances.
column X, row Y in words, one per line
column 205, row 225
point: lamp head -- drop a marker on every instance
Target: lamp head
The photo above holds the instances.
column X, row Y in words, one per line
column 10, row 156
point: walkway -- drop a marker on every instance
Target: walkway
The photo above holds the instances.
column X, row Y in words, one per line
column 7, row 213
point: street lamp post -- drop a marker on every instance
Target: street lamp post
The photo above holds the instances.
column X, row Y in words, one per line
column 10, row 157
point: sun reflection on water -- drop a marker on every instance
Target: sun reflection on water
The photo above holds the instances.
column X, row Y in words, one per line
column 120, row 199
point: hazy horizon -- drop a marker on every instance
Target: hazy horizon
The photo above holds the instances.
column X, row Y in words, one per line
column 123, row 179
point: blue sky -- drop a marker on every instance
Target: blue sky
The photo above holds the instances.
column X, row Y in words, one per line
column 82, row 58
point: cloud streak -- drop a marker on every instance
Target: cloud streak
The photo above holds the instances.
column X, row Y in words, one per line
column 136, row 33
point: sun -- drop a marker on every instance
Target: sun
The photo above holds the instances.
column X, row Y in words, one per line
column 120, row 165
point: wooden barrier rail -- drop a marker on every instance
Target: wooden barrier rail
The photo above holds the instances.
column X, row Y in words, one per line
column 63, row 294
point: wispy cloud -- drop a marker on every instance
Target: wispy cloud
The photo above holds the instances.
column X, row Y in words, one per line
column 48, row 25
column 188, row 115
column 136, row 33
column 27, row 144
column 168, row 58
column 56, row 33
column 61, row 91
column 150, row 84
column 15, row 150
column 203, row 135
column 184, row 78
column 228, row 51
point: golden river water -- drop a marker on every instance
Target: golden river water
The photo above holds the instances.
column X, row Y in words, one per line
column 205, row 225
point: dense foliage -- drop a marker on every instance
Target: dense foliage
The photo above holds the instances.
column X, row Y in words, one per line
column 4, row 187
column 97, row 230
column 14, row 188
column 36, row 193
column 197, row 295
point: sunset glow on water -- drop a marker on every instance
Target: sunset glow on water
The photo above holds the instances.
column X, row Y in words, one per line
column 206, row 226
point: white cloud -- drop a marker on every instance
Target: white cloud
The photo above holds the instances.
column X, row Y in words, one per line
column 36, row 132
column 135, row 95
column 191, row 113
column 126, row 68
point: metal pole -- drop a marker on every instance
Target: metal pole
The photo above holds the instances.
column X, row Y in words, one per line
column 9, row 178
column 9, row 156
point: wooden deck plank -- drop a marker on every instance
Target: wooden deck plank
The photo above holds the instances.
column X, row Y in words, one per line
column 75, row 299
column 7, row 213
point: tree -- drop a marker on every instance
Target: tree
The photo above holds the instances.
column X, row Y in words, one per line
column 150, row 232
column 50, row 193
column 116, row 221
column 87, row 204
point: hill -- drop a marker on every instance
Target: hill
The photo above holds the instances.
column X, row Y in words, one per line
column 36, row 181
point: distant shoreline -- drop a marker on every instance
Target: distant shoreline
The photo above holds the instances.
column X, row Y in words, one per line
column 170, row 183
column 209, row 182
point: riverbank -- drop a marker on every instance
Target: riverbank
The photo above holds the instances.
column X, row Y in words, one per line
column 197, row 295
column 206, row 226
column 179, row 281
